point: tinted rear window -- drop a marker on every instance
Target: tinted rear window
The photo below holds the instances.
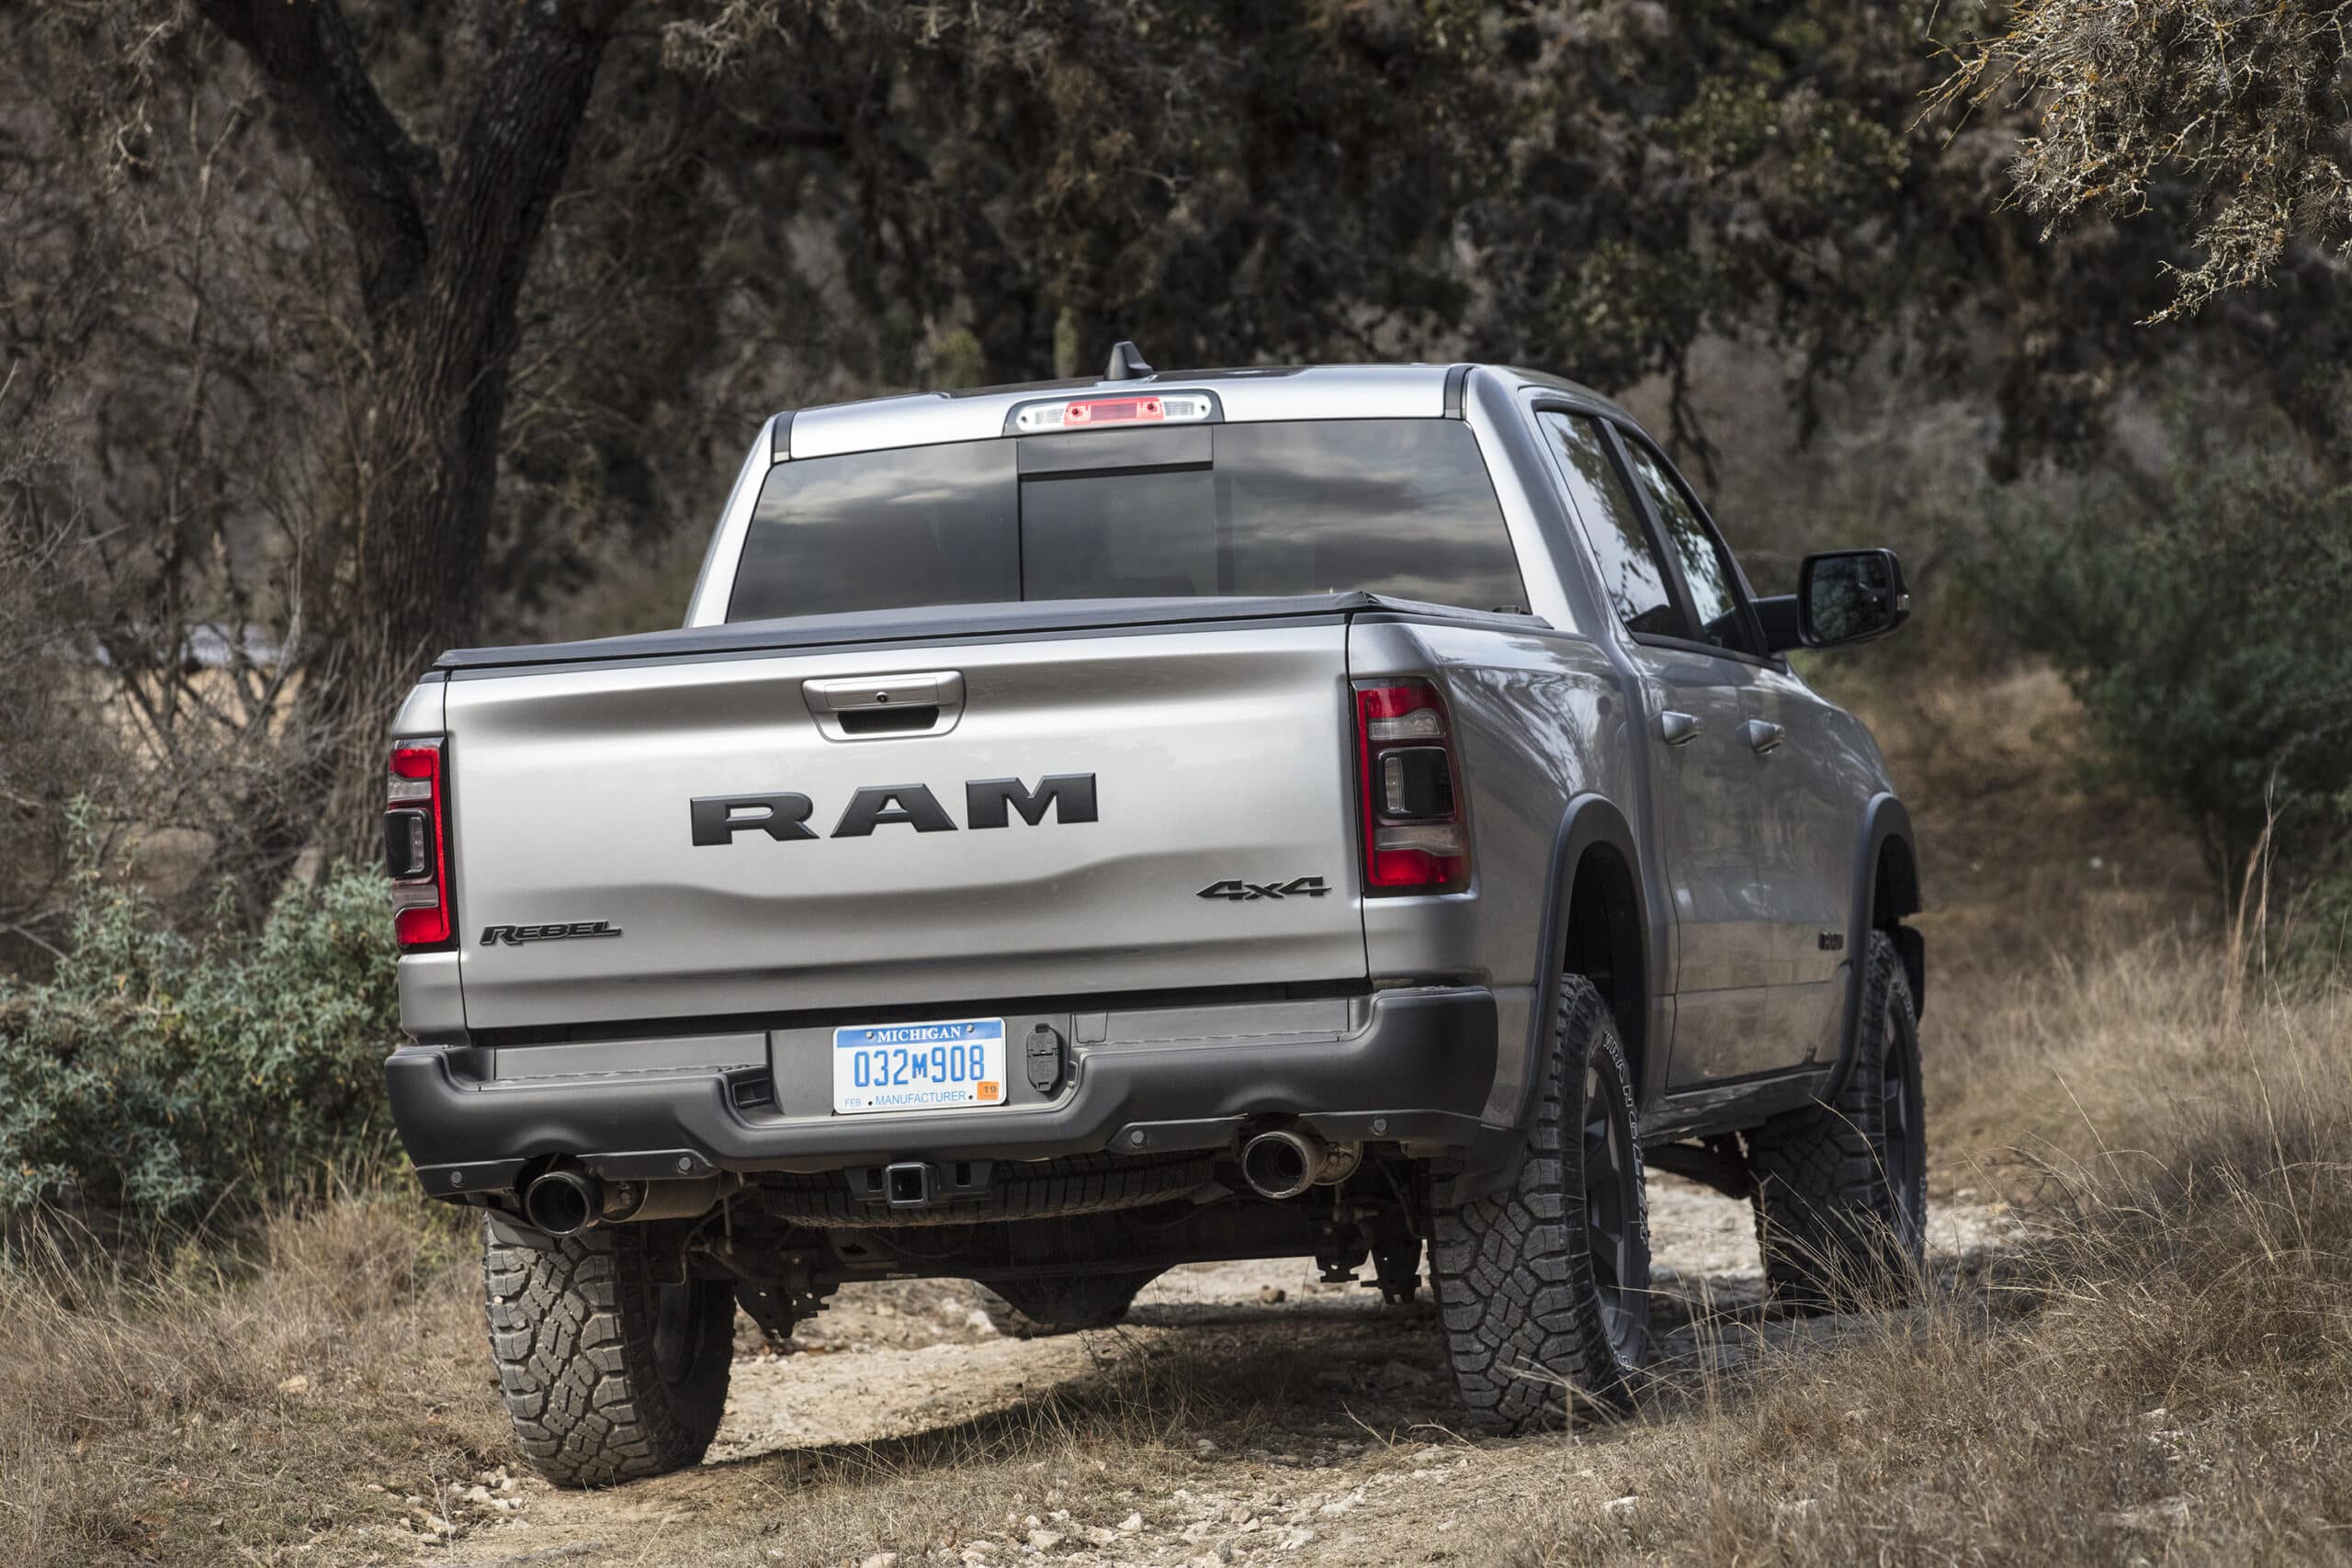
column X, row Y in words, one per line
column 1401, row 507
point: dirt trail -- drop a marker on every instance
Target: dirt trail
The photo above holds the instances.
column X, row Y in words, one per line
column 1345, row 1450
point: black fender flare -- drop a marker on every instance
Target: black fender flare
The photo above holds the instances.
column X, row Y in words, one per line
column 1587, row 822
column 1884, row 818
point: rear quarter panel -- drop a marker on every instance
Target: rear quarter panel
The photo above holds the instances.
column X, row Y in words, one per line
column 1539, row 717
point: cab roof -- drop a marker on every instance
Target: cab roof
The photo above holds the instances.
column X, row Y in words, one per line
column 1270, row 392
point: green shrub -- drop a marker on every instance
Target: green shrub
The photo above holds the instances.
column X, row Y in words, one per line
column 2205, row 620
column 155, row 1074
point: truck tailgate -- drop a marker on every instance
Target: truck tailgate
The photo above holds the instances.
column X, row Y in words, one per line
column 1219, row 754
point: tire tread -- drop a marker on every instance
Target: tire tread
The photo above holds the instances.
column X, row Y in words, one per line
column 1825, row 1219
column 1514, row 1288
column 571, row 1335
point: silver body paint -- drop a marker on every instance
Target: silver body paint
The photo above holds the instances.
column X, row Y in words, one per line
column 1221, row 748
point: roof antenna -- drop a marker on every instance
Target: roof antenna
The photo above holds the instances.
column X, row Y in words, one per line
column 1126, row 362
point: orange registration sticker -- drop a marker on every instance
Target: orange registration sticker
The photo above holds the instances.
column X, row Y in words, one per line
column 985, row 1092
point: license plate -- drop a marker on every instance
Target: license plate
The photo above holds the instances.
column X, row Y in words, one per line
column 918, row 1067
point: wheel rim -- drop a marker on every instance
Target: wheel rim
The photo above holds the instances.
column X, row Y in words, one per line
column 1612, row 1213
column 677, row 1331
column 1905, row 1141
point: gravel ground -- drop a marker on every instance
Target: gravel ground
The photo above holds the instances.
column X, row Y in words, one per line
column 1353, row 1456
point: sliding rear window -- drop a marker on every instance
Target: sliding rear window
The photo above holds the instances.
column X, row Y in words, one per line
column 1396, row 506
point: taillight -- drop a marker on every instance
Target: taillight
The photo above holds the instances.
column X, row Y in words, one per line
column 1413, row 837
column 416, row 853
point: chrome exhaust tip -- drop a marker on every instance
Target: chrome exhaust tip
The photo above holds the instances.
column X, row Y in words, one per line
column 1284, row 1164
column 563, row 1202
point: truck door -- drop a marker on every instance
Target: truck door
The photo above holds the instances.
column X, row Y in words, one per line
column 1696, row 701
column 1772, row 774
column 1814, row 782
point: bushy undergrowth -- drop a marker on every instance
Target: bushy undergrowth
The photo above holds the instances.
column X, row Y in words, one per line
column 2200, row 617
column 155, row 1073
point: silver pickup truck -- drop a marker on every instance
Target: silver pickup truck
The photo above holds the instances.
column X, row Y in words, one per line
column 1088, row 828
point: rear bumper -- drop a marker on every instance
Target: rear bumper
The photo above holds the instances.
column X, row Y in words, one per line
column 1418, row 1073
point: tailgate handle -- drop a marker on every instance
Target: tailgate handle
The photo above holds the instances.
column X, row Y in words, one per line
column 869, row 707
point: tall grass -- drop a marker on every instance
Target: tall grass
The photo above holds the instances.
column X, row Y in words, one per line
column 2163, row 1373
column 144, row 1395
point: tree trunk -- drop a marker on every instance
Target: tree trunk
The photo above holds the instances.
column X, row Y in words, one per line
column 444, row 242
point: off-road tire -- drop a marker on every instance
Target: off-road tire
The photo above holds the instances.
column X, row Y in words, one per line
column 1839, row 1188
column 1075, row 1184
column 608, row 1375
column 1519, row 1292
column 1031, row 1309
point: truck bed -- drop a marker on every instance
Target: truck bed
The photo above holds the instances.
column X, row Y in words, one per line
column 675, row 825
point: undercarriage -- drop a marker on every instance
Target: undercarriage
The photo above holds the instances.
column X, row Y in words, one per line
column 784, row 1265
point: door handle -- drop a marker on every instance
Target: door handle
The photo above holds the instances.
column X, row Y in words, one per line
column 1761, row 738
column 1678, row 728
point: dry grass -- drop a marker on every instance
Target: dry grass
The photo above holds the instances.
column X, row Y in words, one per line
column 158, row 1416
column 2023, row 849
column 2140, row 1044
column 2165, row 1374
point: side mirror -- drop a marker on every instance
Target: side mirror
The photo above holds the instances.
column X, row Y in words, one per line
column 1847, row 596
column 1843, row 596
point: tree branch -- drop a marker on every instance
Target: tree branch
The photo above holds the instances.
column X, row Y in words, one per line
column 305, row 50
column 505, row 166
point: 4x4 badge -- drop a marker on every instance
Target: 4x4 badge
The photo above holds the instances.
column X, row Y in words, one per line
column 1242, row 892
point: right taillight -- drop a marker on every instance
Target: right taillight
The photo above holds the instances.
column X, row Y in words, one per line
column 416, row 853
column 1413, row 837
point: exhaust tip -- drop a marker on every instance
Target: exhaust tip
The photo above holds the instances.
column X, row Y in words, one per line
column 563, row 1202
column 1280, row 1164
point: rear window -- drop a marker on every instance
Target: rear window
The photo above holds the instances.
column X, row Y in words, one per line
column 1396, row 506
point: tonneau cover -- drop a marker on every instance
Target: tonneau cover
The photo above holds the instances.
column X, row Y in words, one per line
column 1027, row 616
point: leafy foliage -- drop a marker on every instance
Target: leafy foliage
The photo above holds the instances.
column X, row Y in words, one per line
column 1716, row 168
column 386, row 326
column 2201, row 619
column 155, row 1074
column 2246, row 100
column 273, row 269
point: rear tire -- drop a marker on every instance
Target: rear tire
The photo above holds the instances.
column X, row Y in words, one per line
column 1548, row 1279
column 608, row 1374
column 1030, row 1309
column 1841, row 1188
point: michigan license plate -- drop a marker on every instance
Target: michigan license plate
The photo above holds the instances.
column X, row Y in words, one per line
column 918, row 1067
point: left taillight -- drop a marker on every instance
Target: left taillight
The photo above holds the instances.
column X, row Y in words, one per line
column 1409, row 780
column 416, row 851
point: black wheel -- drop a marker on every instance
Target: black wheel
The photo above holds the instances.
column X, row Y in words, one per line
column 1027, row 1309
column 608, row 1374
column 1548, row 1279
column 1841, row 1187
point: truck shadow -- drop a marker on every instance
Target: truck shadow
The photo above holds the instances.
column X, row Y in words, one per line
column 1302, row 1374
